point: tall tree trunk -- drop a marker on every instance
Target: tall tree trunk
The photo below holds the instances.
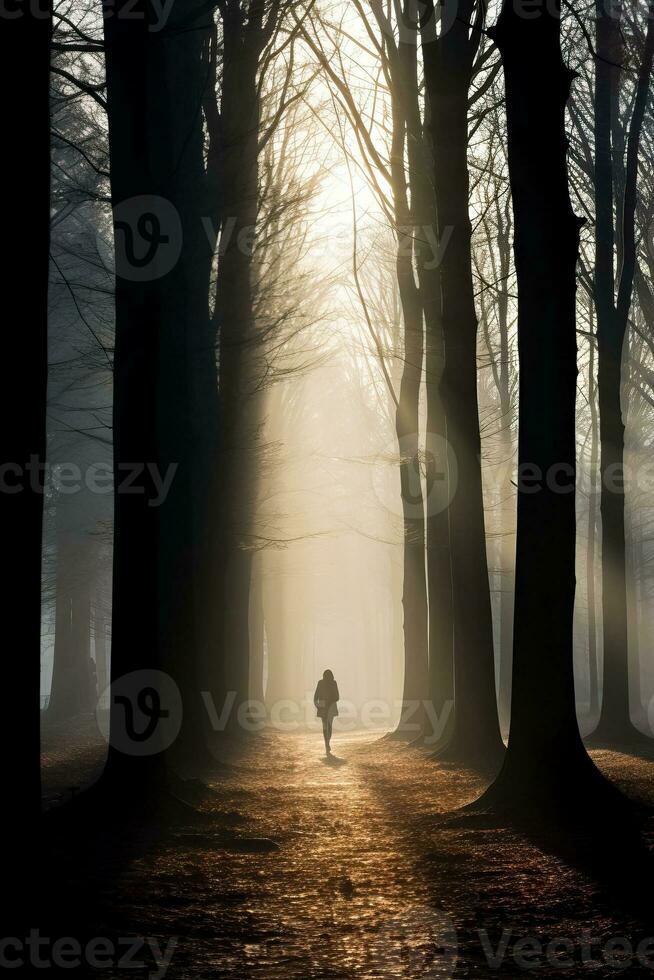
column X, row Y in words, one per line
column 81, row 637
column 546, row 765
column 24, row 173
column 615, row 725
column 439, row 568
column 414, row 590
column 69, row 692
column 62, row 703
column 593, row 665
column 437, row 476
column 507, row 579
column 64, row 700
column 155, row 83
column 448, row 62
column 634, row 549
column 507, row 545
column 235, row 134
column 610, row 339
column 100, row 636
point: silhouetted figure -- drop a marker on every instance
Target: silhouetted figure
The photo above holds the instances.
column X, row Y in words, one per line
column 326, row 702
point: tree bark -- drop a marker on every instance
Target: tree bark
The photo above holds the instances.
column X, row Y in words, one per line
column 448, row 61
column 412, row 723
column 64, row 700
column 437, row 475
column 155, row 83
column 100, row 636
column 593, row 664
column 546, row 767
column 82, row 644
column 414, row 594
column 615, row 725
column 24, row 255
column 507, row 545
column 234, row 163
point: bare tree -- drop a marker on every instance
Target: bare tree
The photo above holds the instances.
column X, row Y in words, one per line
column 449, row 61
column 546, row 764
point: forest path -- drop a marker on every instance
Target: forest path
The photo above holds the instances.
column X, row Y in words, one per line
column 343, row 897
column 366, row 882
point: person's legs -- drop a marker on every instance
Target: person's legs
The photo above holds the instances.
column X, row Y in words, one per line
column 328, row 735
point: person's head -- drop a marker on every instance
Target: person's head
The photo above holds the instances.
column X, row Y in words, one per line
column 327, row 675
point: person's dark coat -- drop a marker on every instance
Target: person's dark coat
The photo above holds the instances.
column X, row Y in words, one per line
column 325, row 698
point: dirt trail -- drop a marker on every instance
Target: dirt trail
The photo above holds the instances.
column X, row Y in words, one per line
column 365, row 883
column 340, row 898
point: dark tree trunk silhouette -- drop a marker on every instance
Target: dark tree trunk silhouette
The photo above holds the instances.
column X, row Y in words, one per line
column 507, row 546
column 154, row 90
column 24, row 170
column 63, row 701
column 593, row 663
column 507, row 584
column 69, row 692
column 414, row 591
column 615, row 725
column 437, row 462
column 448, row 60
column 234, row 131
column 64, row 689
column 240, row 113
column 634, row 547
column 100, row 638
column 439, row 568
column 546, row 766
column 82, row 643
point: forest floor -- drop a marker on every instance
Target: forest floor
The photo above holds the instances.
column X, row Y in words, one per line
column 368, row 880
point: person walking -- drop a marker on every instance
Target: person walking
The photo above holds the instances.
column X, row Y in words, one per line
column 326, row 702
